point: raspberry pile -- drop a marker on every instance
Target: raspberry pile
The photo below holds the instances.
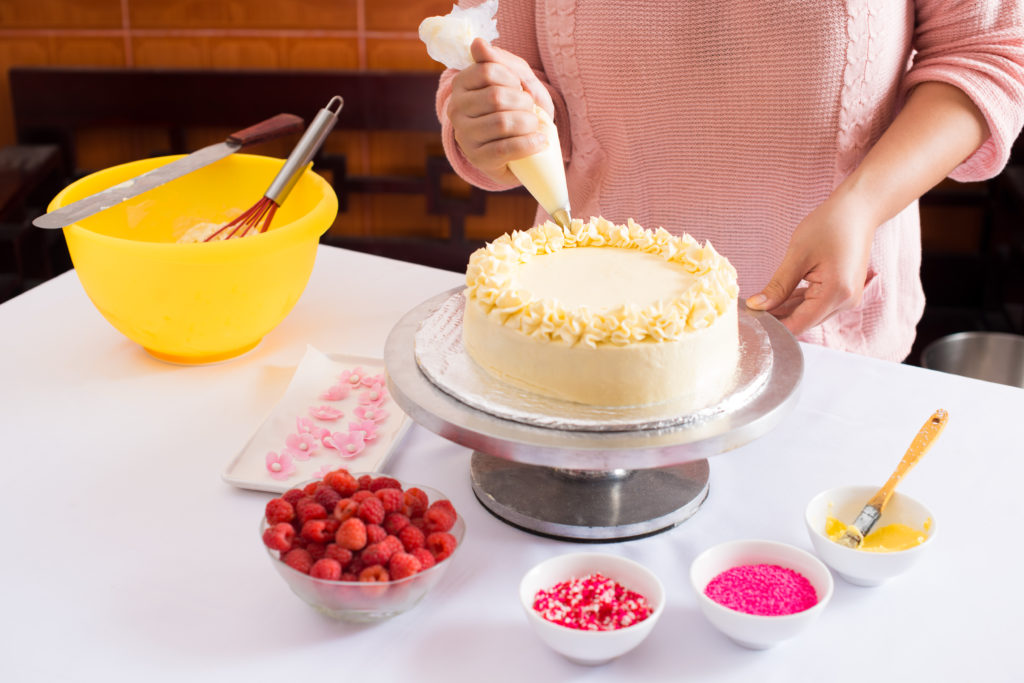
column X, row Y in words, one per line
column 592, row 603
column 366, row 528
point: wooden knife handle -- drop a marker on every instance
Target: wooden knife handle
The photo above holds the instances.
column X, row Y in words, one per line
column 274, row 127
column 926, row 436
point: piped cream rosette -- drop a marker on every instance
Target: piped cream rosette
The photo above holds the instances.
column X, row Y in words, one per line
column 685, row 342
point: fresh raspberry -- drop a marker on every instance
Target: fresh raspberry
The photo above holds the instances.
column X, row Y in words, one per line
column 371, row 511
column 357, row 565
column 374, row 573
column 441, row 544
column 336, row 552
column 342, row 481
column 445, row 504
column 437, row 519
column 393, row 544
column 349, row 576
column 376, row 553
column 327, row 497
column 298, row 559
column 326, row 568
column 316, row 530
column 395, row 522
column 375, row 533
column 416, row 501
column 345, row 508
column 316, row 550
column 293, row 495
column 310, row 488
column 351, row 534
column 307, row 511
column 279, row 537
column 402, row 565
column 379, row 483
column 364, row 481
column 392, row 499
column 361, row 495
column 299, row 541
column 279, row 510
column 417, row 522
column 425, row 557
column 412, row 538
column 332, row 526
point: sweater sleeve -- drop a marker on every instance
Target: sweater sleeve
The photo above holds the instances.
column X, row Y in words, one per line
column 978, row 47
column 516, row 33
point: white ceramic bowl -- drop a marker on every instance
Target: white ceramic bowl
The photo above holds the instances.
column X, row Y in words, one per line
column 591, row 647
column 860, row 567
column 754, row 631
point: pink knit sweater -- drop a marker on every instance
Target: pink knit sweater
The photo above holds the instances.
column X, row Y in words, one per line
column 733, row 120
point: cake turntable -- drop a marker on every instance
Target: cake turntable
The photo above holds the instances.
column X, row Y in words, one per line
column 576, row 473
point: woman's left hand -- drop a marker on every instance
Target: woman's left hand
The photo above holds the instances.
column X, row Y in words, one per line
column 829, row 251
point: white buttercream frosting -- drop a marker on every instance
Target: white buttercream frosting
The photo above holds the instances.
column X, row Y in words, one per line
column 700, row 285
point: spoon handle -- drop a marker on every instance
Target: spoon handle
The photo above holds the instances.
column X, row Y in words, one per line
column 918, row 447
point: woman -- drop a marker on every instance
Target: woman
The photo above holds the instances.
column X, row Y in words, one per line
column 795, row 136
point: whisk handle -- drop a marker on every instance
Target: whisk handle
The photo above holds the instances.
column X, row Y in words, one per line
column 272, row 128
column 304, row 150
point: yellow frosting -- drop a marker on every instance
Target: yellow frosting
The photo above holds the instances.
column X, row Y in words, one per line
column 884, row 539
column 492, row 280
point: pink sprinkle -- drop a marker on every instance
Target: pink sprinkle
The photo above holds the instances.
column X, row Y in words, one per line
column 592, row 603
column 763, row 589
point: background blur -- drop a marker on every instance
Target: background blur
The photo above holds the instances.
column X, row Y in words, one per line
column 972, row 233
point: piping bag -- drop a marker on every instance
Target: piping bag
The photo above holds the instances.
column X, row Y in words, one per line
column 448, row 39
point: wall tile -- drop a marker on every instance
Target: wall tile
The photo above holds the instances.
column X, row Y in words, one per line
column 169, row 52
column 87, row 51
column 320, row 53
column 399, row 54
column 402, row 15
column 406, row 215
column 65, row 14
column 244, row 14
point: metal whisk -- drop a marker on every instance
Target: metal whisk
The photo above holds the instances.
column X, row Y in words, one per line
column 260, row 214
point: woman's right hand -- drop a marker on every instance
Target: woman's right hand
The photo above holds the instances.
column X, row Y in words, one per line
column 492, row 110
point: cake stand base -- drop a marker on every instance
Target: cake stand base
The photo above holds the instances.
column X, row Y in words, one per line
column 589, row 505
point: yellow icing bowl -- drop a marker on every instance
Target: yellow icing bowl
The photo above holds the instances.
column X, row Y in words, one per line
column 865, row 567
column 200, row 302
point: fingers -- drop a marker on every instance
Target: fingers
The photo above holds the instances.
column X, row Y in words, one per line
column 778, row 289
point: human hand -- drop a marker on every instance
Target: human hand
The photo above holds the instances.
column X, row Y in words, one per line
column 492, row 110
column 829, row 250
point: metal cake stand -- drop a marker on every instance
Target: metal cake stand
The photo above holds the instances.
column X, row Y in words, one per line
column 584, row 485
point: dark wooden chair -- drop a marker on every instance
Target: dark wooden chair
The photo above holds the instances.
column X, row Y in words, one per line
column 52, row 103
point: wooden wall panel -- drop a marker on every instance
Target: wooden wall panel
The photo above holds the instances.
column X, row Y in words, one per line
column 402, row 15
column 71, row 14
column 244, row 14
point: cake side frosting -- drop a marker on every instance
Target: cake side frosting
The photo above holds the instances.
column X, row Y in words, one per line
column 604, row 314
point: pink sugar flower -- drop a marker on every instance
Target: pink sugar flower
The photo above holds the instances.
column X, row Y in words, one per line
column 337, row 392
column 367, row 427
column 300, row 446
column 352, row 377
column 326, row 413
column 373, row 396
column 303, row 425
column 322, row 472
column 373, row 380
column 348, row 444
column 280, row 466
column 371, row 413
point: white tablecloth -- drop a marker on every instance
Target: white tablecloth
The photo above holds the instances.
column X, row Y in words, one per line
column 126, row 557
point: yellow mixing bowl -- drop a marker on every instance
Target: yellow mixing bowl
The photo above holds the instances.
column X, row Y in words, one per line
column 205, row 302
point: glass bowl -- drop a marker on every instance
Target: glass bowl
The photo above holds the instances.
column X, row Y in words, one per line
column 360, row 601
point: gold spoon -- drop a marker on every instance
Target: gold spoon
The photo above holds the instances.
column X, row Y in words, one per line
column 853, row 536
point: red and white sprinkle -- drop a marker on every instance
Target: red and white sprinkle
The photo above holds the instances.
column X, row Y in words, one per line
column 763, row 589
column 592, row 603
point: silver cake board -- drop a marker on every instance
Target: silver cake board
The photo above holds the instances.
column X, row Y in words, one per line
column 594, row 485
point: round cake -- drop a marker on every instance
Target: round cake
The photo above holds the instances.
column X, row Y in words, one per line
column 604, row 314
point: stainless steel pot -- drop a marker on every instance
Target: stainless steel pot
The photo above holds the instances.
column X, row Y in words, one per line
column 991, row 356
